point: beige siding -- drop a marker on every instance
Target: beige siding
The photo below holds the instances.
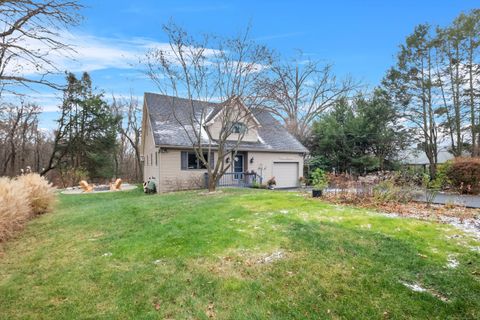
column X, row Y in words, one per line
column 250, row 136
column 173, row 178
column 150, row 167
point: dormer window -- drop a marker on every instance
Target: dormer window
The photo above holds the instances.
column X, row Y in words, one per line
column 239, row 127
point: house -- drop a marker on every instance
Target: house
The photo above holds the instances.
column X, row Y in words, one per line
column 417, row 158
column 266, row 147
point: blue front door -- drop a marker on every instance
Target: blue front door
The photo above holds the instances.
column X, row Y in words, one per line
column 238, row 166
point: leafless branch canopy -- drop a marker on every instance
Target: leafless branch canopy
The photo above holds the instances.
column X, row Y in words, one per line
column 301, row 90
column 210, row 69
column 30, row 33
column 129, row 109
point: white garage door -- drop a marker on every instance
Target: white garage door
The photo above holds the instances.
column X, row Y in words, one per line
column 286, row 174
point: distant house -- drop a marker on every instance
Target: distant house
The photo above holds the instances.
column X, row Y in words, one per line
column 266, row 148
column 418, row 158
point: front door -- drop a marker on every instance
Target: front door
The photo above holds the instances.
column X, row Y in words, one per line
column 238, row 167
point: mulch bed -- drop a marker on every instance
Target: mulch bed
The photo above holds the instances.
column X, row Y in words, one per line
column 409, row 208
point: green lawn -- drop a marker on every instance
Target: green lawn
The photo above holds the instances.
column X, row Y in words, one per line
column 239, row 254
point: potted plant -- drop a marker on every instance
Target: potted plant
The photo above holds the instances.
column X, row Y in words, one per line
column 271, row 183
column 319, row 182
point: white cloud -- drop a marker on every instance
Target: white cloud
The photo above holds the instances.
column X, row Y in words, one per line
column 91, row 53
column 47, row 101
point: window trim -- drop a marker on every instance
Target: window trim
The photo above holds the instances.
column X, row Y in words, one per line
column 236, row 127
column 184, row 163
column 199, row 162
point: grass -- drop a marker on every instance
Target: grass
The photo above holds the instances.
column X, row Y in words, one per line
column 189, row 255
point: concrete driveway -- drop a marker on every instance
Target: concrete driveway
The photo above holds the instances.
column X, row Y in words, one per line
column 469, row 201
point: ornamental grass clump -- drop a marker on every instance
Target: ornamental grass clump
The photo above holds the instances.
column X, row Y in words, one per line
column 14, row 207
column 41, row 194
column 21, row 199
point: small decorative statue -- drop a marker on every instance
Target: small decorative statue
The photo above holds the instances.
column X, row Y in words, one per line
column 271, row 183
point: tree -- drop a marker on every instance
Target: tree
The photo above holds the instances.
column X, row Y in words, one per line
column 21, row 141
column 411, row 85
column 211, row 69
column 301, row 90
column 129, row 110
column 450, row 80
column 359, row 135
column 85, row 138
column 30, row 38
column 436, row 81
column 381, row 125
column 469, row 27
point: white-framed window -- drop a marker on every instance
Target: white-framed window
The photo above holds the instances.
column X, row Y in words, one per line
column 239, row 127
column 190, row 161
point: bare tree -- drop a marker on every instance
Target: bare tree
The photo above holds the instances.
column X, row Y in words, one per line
column 130, row 126
column 411, row 85
column 30, row 37
column 301, row 90
column 22, row 142
column 211, row 69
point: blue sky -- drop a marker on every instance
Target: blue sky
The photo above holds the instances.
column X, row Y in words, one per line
column 360, row 38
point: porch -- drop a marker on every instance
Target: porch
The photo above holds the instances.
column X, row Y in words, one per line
column 240, row 175
column 237, row 179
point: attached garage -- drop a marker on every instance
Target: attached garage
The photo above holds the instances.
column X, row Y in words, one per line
column 286, row 174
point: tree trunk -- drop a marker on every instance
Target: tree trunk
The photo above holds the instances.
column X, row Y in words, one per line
column 212, row 183
column 473, row 128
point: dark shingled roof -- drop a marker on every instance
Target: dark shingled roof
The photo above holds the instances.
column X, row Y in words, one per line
column 168, row 132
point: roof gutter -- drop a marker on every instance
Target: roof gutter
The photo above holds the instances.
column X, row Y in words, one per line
column 178, row 147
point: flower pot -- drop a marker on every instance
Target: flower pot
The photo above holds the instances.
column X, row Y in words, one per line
column 316, row 193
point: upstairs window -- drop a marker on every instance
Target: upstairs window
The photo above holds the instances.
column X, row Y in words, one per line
column 239, row 127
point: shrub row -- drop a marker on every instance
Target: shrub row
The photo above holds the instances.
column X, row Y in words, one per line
column 22, row 199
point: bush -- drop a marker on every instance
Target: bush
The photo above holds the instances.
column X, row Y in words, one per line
column 21, row 199
column 389, row 191
column 14, row 207
column 41, row 194
column 442, row 181
column 409, row 176
column 464, row 175
column 255, row 185
column 319, row 179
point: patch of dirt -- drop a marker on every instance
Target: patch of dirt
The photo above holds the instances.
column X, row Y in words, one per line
column 210, row 311
column 277, row 255
column 95, row 236
column 240, row 263
column 208, row 193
